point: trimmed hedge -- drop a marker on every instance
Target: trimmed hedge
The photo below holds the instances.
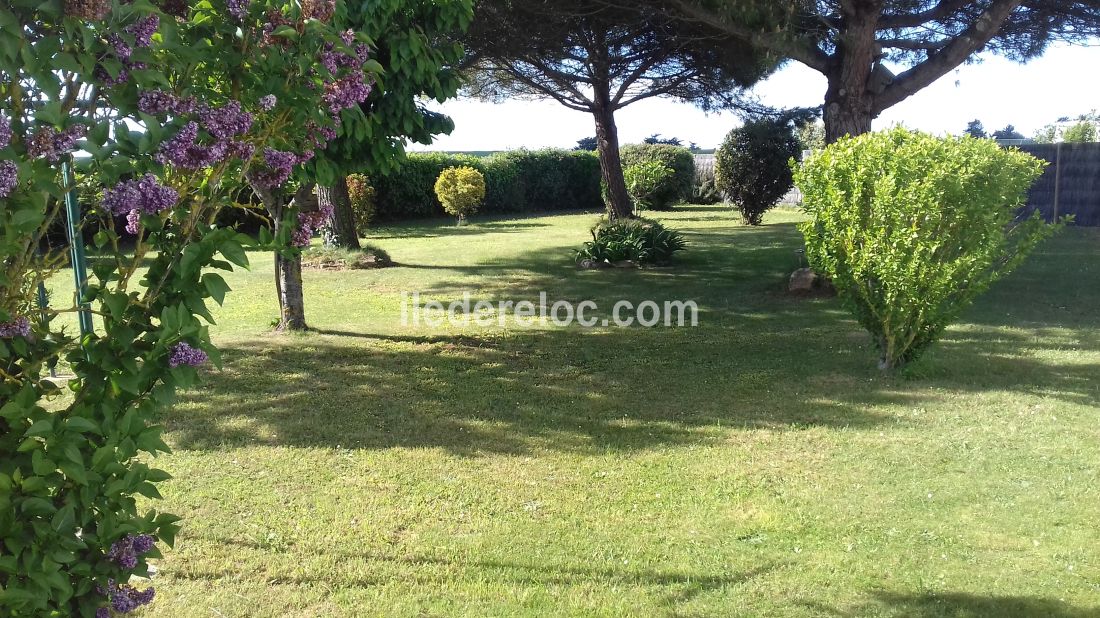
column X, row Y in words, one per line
column 515, row 182
column 678, row 158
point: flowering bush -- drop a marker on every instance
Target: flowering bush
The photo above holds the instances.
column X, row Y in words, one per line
column 461, row 191
column 81, row 75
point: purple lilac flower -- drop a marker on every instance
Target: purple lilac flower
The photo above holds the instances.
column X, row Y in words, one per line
column 143, row 543
column 237, row 8
column 144, row 29
column 346, row 92
column 308, row 223
column 145, row 195
column 157, row 102
column 333, row 60
column 185, row 354
column 123, row 76
column 226, row 121
column 103, row 612
column 185, row 105
column 5, row 132
column 50, row 144
column 9, row 177
column 122, row 48
column 274, row 20
column 67, row 139
column 125, row 551
column 241, row 150
column 267, row 102
column 183, row 152
column 41, row 143
column 279, row 165
column 19, row 327
column 320, row 136
column 133, row 222
column 126, row 598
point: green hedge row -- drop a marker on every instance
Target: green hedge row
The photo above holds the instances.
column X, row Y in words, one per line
column 515, row 182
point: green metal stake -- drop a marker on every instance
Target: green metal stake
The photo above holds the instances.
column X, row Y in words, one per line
column 76, row 250
column 44, row 318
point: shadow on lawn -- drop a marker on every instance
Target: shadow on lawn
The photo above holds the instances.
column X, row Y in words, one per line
column 759, row 359
column 557, row 390
column 437, row 227
column 959, row 605
column 676, row 587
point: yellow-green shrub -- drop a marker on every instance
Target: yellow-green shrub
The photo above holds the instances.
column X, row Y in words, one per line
column 461, row 191
column 911, row 228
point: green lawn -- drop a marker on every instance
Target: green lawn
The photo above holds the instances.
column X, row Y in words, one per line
column 758, row 465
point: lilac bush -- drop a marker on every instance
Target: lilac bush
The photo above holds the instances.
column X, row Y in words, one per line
column 69, row 474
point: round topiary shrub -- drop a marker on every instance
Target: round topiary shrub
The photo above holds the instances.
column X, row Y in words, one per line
column 752, row 167
column 461, row 191
column 911, row 228
column 676, row 187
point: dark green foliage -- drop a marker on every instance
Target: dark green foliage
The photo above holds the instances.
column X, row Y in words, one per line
column 641, row 241
column 590, row 144
column 975, row 128
column 705, row 193
column 679, row 159
column 1009, row 132
column 753, row 166
column 515, row 182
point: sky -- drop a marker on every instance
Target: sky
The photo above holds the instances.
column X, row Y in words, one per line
column 994, row 90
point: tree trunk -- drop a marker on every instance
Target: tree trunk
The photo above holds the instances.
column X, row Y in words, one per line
column 849, row 101
column 846, row 115
column 288, row 271
column 607, row 138
column 288, row 286
column 340, row 231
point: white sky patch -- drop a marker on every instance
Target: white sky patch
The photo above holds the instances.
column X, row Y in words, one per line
column 994, row 90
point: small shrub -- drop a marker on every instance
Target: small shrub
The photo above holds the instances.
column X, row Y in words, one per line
column 752, row 167
column 641, row 241
column 677, row 187
column 645, row 180
column 361, row 194
column 461, row 191
column 706, row 193
column 911, row 228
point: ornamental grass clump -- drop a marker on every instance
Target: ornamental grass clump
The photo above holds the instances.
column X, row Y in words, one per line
column 461, row 191
column 911, row 228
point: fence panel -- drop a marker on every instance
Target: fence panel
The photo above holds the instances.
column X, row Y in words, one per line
column 1071, row 183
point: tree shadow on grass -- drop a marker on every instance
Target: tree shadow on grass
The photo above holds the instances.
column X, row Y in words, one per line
column 961, row 605
column 759, row 359
column 675, row 586
column 562, row 390
column 441, row 227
